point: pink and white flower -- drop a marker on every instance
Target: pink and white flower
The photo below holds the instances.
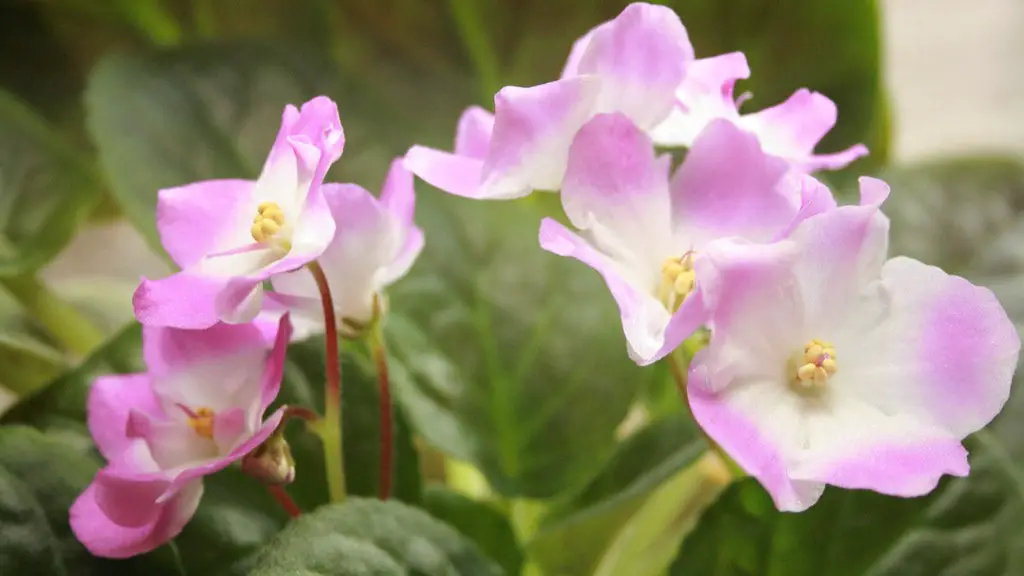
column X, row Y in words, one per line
column 197, row 410
column 829, row 364
column 644, row 232
column 632, row 64
column 228, row 236
column 790, row 130
column 376, row 244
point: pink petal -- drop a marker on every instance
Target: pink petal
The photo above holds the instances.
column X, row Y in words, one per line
column 614, row 180
column 455, row 174
column 792, row 130
column 533, row 128
column 201, row 218
column 111, row 398
column 314, row 230
column 579, row 48
column 945, row 352
column 182, row 300
column 103, row 537
column 229, row 426
column 166, row 350
column 316, row 124
column 705, row 94
column 815, row 198
column 727, row 186
column 397, row 194
column 274, row 371
column 642, row 56
column 644, row 319
column 473, row 135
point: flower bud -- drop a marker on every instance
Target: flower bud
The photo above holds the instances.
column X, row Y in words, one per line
column 271, row 462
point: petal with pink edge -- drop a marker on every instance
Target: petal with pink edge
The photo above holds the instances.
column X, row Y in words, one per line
column 728, row 186
column 641, row 57
column 792, row 130
column 644, row 319
column 455, row 174
column 473, row 134
column 201, row 218
column 166, row 350
column 182, row 300
column 614, row 182
column 103, row 537
column 533, row 128
column 111, row 399
column 944, row 351
column 706, row 94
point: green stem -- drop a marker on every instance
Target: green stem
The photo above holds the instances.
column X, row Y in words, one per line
column 330, row 427
column 471, row 28
column 66, row 324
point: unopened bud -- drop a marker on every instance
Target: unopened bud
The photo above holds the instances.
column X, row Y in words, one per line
column 271, row 462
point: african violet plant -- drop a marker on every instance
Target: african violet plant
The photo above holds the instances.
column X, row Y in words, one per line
column 803, row 354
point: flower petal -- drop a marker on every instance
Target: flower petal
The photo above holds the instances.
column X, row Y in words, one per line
column 182, row 300
column 728, row 186
column 103, row 537
column 642, row 57
column 615, row 183
column 473, row 135
column 274, row 370
column 944, row 352
column 203, row 218
column 644, row 319
column 705, row 94
column 167, row 350
column 533, row 128
column 458, row 175
column 111, row 398
column 792, row 130
column 815, row 198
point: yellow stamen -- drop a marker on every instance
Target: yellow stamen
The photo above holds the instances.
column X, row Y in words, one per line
column 677, row 281
column 202, row 422
column 268, row 221
column 814, row 366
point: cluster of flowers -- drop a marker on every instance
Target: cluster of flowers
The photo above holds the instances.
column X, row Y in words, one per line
column 826, row 362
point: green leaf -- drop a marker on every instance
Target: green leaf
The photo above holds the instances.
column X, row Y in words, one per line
column 47, row 189
column 633, row 514
column 481, row 522
column 27, row 363
column 187, row 115
column 40, row 477
column 414, row 542
column 963, row 215
column 525, row 371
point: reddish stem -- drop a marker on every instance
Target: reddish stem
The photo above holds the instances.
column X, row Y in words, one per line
column 332, row 429
column 380, row 358
column 286, row 502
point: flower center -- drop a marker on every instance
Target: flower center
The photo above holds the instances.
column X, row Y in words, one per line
column 677, row 281
column 268, row 221
column 201, row 420
column 812, row 369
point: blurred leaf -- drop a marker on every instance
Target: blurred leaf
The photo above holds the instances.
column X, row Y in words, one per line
column 40, row 477
column 965, row 216
column 27, row 363
column 46, row 189
column 479, row 521
column 525, row 371
column 364, row 537
column 639, row 498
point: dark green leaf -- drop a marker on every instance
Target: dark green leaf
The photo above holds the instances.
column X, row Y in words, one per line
column 645, row 482
column 46, row 189
column 479, row 521
column 384, row 538
column 962, row 215
column 525, row 371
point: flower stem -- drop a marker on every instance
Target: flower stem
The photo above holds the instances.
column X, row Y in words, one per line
column 286, row 502
column 380, row 359
column 330, row 427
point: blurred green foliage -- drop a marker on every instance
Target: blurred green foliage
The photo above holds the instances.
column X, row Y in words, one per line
column 502, row 355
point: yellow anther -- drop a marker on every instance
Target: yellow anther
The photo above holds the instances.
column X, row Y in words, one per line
column 202, row 422
column 815, row 365
column 268, row 221
column 677, row 281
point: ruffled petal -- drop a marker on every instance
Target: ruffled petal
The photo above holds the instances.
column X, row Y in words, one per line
column 104, row 537
column 727, row 186
column 166, row 350
column 705, row 94
column 203, row 218
column 615, row 183
column 183, row 300
column 111, row 399
column 533, row 128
